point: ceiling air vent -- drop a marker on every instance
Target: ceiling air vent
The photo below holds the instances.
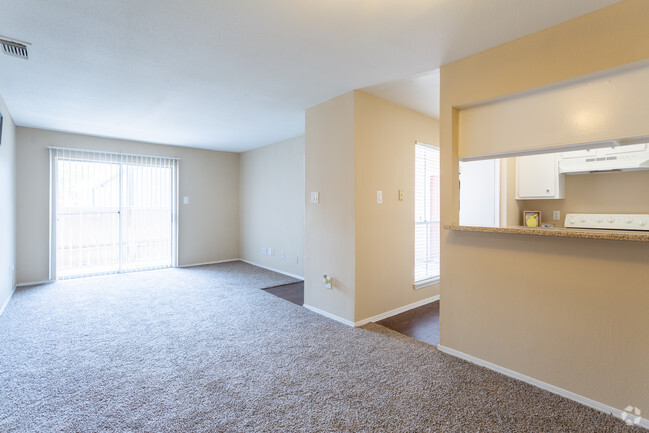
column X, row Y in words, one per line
column 15, row 49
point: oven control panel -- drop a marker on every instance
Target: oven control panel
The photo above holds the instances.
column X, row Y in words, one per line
column 607, row 221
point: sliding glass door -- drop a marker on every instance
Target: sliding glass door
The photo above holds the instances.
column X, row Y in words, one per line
column 111, row 213
column 87, row 216
column 146, row 214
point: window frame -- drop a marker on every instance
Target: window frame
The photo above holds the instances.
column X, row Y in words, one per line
column 435, row 278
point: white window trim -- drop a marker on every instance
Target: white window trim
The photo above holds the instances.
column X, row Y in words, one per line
column 425, row 283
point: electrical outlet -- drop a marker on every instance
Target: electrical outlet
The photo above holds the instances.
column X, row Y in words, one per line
column 263, row 251
column 556, row 215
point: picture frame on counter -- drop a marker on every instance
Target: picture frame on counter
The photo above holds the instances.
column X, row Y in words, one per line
column 532, row 218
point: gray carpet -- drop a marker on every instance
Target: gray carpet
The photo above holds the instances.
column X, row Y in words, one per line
column 204, row 350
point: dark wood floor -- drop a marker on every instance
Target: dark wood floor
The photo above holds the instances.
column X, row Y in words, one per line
column 421, row 323
column 291, row 292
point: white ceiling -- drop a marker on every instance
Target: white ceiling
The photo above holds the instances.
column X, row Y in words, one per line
column 419, row 92
column 238, row 74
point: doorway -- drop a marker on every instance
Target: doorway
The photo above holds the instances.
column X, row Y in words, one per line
column 111, row 213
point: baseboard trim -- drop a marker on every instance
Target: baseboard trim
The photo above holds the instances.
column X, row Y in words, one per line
column 191, row 265
column 299, row 277
column 643, row 422
column 4, row 306
column 329, row 315
column 35, row 283
column 397, row 311
column 373, row 318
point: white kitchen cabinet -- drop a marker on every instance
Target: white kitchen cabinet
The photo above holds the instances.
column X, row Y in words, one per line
column 537, row 177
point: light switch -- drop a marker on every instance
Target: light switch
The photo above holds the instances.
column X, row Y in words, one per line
column 186, row 200
column 400, row 195
column 315, row 197
column 379, row 197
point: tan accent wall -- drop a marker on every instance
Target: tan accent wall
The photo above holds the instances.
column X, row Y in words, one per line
column 510, row 207
column 330, row 225
column 385, row 160
column 8, row 205
column 357, row 144
column 271, row 205
column 568, row 312
column 208, row 227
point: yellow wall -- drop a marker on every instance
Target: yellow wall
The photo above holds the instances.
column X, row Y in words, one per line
column 208, row 227
column 568, row 312
column 385, row 160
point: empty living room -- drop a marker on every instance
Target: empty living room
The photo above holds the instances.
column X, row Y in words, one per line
column 345, row 216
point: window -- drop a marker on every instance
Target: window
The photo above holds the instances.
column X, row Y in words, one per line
column 427, row 216
column 111, row 213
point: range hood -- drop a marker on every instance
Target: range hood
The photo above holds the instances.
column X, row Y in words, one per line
column 616, row 158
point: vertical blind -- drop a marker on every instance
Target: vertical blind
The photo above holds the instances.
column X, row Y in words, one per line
column 111, row 212
column 427, row 215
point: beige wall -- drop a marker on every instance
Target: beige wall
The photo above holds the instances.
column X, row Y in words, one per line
column 510, row 209
column 271, row 205
column 8, row 207
column 330, row 227
column 357, row 144
column 385, row 160
column 208, row 227
column 568, row 312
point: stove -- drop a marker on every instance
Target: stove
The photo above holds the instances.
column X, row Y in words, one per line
column 607, row 221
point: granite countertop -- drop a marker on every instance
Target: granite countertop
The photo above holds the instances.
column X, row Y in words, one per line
column 614, row 235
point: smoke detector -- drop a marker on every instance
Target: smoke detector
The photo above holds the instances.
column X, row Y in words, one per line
column 14, row 48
